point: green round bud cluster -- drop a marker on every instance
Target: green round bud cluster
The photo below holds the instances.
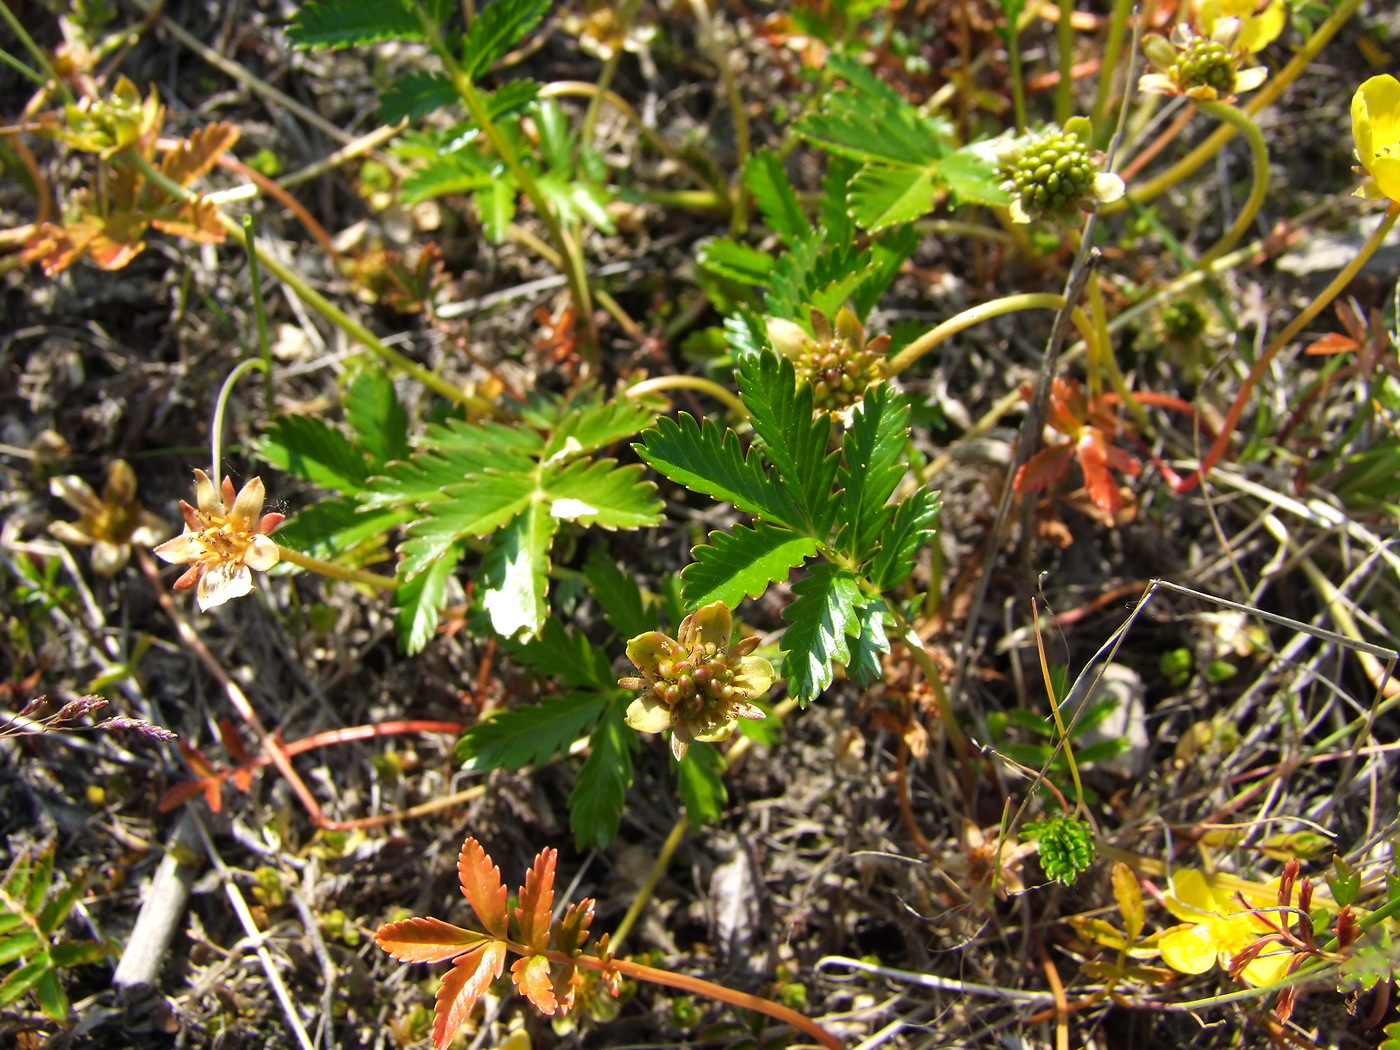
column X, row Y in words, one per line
column 1204, row 62
column 839, row 372
column 1054, row 173
column 694, row 680
column 1183, row 321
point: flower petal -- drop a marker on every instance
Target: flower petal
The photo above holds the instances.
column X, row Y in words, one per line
column 69, row 533
column 247, row 508
column 75, row 492
column 1188, row 949
column 711, row 623
column 184, row 547
column 646, row 651
column 223, row 583
column 206, row 495
column 262, row 554
column 757, row 676
column 1108, row 188
column 108, row 558
column 1190, row 898
column 647, row 715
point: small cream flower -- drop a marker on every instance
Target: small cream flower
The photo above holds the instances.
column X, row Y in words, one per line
column 1208, row 68
column 110, row 524
column 697, row 684
column 223, row 540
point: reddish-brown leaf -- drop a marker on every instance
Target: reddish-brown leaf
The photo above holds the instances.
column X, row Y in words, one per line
column 426, row 940
column 1093, row 458
column 194, row 758
column 197, row 154
column 1333, row 343
column 536, row 899
column 233, row 742
column 177, row 795
column 462, row 985
column 481, row 885
column 531, row 975
column 572, row 930
column 1044, row 468
column 197, row 219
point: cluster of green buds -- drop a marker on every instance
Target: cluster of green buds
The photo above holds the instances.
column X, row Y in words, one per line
column 1204, row 67
column 1056, row 174
column 697, row 685
column 836, row 360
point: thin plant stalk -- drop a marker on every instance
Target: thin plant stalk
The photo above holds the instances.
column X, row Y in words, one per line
column 17, row 27
column 1112, row 53
column 738, row 217
column 339, row 572
column 700, row 383
column 1259, row 156
column 259, row 312
column 985, row 312
column 1064, row 38
column 216, row 430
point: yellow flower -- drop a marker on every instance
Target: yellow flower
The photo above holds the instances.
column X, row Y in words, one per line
column 1257, row 30
column 224, row 538
column 697, row 685
column 1375, row 125
column 111, row 524
column 1215, row 929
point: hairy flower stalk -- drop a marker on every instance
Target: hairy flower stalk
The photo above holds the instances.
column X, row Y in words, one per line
column 697, row 685
column 224, row 538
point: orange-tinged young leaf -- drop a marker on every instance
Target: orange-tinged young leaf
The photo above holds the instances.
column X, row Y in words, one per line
column 427, row 940
column 233, row 742
column 1333, row 343
column 481, row 885
column 200, row 152
column 531, row 975
column 178, row 794
column 197, row 219
column 536, row 899
column 462, row 986
column 1093, row 458
column 1129, row 896
column 572, row 929
column 566, row 981
column 1044, row 468
column 194, row 758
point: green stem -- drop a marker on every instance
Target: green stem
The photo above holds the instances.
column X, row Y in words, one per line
column 708, row 386
column 339, row 572
column 17, row 27
column 642, row 898
column 1259, row 154
column 1112, row 54
column 738, row 217
column 1018, row 77
column 259, row 311
column 573, row 263
column 1281, row 340
column 316, row 300
column 216, row 431
column 1064, row 37
column 1271, row 90
column 984, row 312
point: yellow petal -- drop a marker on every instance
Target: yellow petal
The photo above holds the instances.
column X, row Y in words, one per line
column 248, row 506
column 1385, row 172
column 646, row 651
column 1263, row 29
column 648, row 716
column 711, row 623
column 1266, row 969
column 76, row 492
column 206, row 495
column 756, row 676
column 1188, row 949
column 1190, row 898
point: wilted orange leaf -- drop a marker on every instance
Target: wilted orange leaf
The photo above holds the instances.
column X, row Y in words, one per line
column 481, row 885
column 200, row 152
column 427, row 940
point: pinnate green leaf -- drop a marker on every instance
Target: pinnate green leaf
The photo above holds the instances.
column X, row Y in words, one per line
column 414, row 95
column 873, row 463
column 883, row 196
column 374, row 411
column 773, row 193
column 417, row 601
column 972, row 176
column 596, row 424
column 600, row 790
column 736, row 262
column 742, row 563
column 496, row 29
column 529, row 734
column 557, row 652
column 464, row 170
column 53, row 1000
column 516, row 573
column 794, row 440
column 347, row 23
column 870, row 644
column 315, row 451
column 25, row 978
column 708, row 460
column 17, row 944
column 617, row 592
column 822, row 620
column 913, row 524
column 475, row 507
column 599, row 492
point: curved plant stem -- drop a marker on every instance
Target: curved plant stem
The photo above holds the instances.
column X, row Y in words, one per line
column 1343, row 278
column 216, row 429
column 708, row 386
column 984, row 312
column 259, row 313
column 339, row 572
column 686, row 983
column 1271, row 90
column 1259, row 155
